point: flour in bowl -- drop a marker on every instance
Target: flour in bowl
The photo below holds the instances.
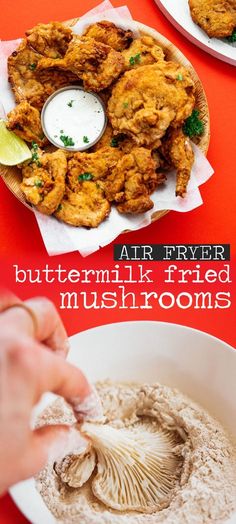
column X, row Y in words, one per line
column 203, row 489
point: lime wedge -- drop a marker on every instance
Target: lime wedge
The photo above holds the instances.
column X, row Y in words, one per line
column 13, row 150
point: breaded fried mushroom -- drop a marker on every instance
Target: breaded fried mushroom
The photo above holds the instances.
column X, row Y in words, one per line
column 120, row 142
column 91, row 166
column 105, row 140
column 143, row 51
column 50, row 40
column 43, row 181
column 216, row 17
column 29, row 84
column 178, row 152
column 96, row 64
column 109, row 34
column 21, row 72
column 86, row 207
column 140, row 179
column 25, row 121
column 147, row 100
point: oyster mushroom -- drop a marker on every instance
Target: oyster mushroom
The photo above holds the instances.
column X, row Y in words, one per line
column 136, row 468
column 75, row 470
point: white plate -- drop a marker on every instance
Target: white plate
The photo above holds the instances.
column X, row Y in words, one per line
column 177, row 11
column 198, row 364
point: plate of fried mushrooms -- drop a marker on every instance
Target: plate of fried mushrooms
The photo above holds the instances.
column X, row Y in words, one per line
column 152, row 109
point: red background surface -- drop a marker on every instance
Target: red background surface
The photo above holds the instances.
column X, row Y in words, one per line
column 214, row 222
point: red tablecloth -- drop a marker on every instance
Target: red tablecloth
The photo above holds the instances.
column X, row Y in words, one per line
column 214, row 222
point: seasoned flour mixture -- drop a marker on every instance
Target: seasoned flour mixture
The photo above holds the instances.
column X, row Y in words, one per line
column 204, row 489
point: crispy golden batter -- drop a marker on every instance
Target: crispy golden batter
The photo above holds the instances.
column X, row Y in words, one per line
column 105, row 140
column 117, row 142
column 178, row 152
column 216, row 17
column 54, row 79
column 91, row 166
column 25, row 121
column 96, row 64
column 86, row 207
column 30, row 85
column 126, row 144
column 138, row 178
column 146, row 101
column 50, row 39
column 43, row 183
column 109, row 34
column 21, row 71
column 121, row 142
column 143, row 51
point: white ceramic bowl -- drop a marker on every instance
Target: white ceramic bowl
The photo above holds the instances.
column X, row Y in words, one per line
column 198, row 364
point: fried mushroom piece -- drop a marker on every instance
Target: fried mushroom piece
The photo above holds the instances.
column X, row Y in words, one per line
column 25, row 121
column 138, row 176
column 29, row 84
column 126, row 144
column 86, row 207
column 143, row 51
column 216, row 17
column 96, row 64
column 21, row 71
column 147, row 100
column 43, row 182
column 119, row 142
column 106, row 140
column 91, row 166
column 54, row 79
column 109, row 34
column 50, row 40
column 178, row 152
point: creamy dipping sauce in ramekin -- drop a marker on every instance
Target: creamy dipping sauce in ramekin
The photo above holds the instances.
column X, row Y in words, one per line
column 73, row 119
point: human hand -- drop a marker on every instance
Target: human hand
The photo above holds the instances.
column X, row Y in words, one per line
column 29, row 367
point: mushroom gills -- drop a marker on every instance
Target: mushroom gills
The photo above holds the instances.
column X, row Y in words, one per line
column 136, row 467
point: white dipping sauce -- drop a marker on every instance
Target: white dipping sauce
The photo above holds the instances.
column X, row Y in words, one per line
column 73, row 119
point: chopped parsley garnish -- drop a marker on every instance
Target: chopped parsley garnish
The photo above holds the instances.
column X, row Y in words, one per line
column 114, row 142
column 232, row 38
column 126, row 104
column 179, row 77
column 35, row 158
column 85, row 139
column 85, row 176
column 32, row 67
column 59, row 207
column 193, row 126
column 38, row 183
column 136, row 59
column 70, row 104
column 67, row 140
column 35, row 155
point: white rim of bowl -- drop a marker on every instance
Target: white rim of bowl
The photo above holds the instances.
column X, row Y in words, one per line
column 78, row 88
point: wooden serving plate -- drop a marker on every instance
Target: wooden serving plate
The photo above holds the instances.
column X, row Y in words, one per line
column 12, row 175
